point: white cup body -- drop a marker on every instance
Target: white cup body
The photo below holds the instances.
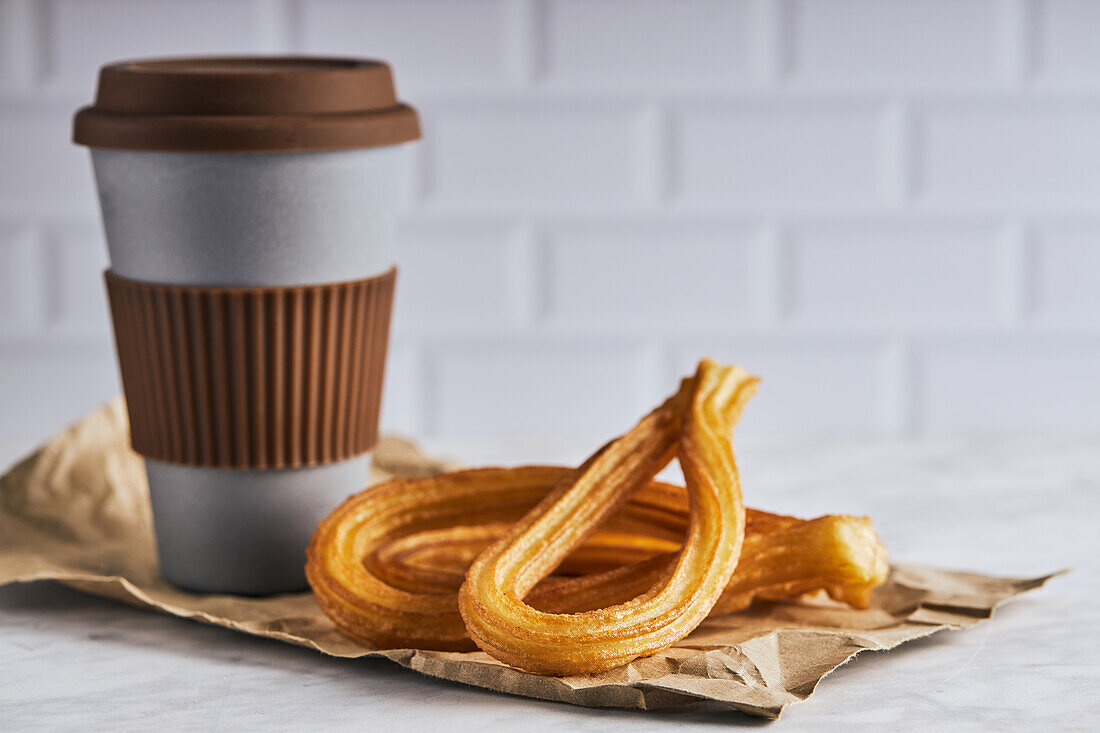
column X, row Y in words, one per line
column 247, row 220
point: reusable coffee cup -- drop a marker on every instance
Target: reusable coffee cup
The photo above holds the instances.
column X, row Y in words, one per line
column 249, row 210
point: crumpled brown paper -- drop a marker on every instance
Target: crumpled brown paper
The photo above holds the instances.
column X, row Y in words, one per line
column 77, row 511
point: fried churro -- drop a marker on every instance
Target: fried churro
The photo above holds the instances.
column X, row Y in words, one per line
column 564, row 571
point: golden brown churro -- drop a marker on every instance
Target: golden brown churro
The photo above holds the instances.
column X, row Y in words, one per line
column 635, row 569
column 696, row 420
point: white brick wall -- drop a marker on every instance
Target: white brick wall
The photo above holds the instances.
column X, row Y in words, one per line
column 812, row 385
column 1066, row 282
column 648, row 279
column 647, row 44
column 894, row 276
column 539, row 386
column 489, row 157
column 44, row 176
column 890, row 209
column 890, row 44
column 999, row 385
column 438, row 44
column 1027, row 154
column 77, row 35
column 462, row 277
column 778, row 154
column 1065, row 42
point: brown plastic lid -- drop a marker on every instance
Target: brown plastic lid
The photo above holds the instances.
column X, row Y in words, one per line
column 245, row 104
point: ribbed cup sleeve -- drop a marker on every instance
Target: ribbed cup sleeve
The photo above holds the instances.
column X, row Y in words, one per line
column 274, row 377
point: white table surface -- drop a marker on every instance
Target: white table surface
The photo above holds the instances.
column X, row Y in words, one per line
column 1014, row 507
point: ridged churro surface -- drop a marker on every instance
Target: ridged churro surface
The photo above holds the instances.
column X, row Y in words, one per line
column 566, row 571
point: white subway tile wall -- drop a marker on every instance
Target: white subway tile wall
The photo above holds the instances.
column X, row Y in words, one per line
column 647, row 45
column 889, row 209
column 897, row 43
column 774, row 154
column 648, row 279
column 1065, row 42
column 78, row 35
column 893, row 276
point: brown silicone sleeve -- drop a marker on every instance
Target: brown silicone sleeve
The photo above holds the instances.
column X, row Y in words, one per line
column 252, row 377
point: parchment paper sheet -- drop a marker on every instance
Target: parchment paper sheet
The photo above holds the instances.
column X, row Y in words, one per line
column 77, row 511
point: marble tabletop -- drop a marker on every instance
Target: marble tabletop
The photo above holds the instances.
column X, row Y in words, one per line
column 1013, row 507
